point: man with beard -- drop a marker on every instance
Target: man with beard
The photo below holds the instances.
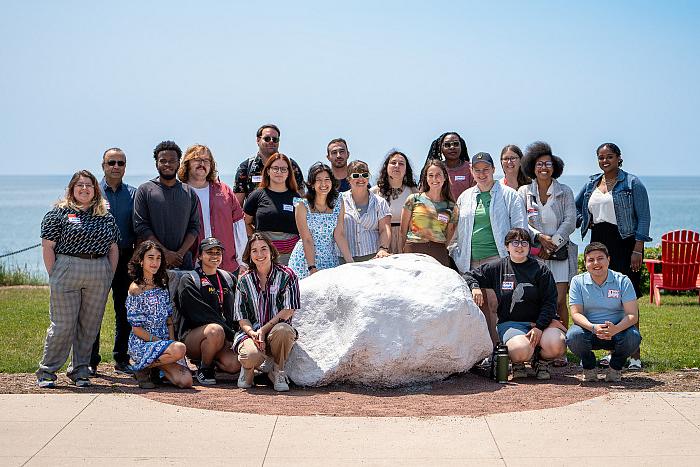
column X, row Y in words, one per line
column 166, row 210
column 338, row 155
column 249, row 173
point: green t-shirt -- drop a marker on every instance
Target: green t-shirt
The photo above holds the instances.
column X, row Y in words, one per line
column 483, row 244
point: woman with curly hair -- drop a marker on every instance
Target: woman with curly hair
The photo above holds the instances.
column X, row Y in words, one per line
column 319, row 217
column 452, row 150
column 152, row 344
column 395, row 184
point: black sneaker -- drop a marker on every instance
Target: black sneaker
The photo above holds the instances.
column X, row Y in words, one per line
column 82, row 382
column 123, row 368
column 92, row 370
column 206, row 376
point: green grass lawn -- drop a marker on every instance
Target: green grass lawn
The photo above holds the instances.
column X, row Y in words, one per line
column 671, row 332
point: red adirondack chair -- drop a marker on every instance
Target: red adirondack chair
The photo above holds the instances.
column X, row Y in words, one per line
column 680, row 264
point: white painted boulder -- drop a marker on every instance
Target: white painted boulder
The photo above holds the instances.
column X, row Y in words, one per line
column 395, row 321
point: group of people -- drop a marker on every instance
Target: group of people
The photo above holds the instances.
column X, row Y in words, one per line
column 205, row 271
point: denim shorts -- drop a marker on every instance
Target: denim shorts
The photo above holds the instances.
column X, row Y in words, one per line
column 509, row 329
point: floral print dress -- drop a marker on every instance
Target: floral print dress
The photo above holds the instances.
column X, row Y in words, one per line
column 321, row 225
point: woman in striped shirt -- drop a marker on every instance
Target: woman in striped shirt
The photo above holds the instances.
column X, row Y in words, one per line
column 267, row 295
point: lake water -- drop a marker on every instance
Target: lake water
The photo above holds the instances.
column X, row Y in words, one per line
column 675, row 204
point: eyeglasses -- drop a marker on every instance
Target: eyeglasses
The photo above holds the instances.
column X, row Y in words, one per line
column 85, row 185
column 274, row 139
column 541, row 164
column 510, row 159
column 279, row 170
column 201, row 161
column 112, row 163
column 448, row 144
column 517, row 243
column 357, row 175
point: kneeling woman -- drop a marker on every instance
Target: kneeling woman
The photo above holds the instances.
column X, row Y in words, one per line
column 527, row 304
column 152, row 344
column 205, row 304
column 266, row 297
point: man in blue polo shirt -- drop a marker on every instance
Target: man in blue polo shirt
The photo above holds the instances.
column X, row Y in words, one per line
column 604, row 310
column 120, row 202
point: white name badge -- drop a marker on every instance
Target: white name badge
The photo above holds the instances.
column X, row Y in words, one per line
column 612, row 293
column 460, row 178
column 73, row 219
column 256, row 178
column 444, row 218
column 288, row 207
column 107, row 205
column 507, row 285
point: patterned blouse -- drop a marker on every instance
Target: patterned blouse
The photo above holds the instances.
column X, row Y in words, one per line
column 79, row 232
column 429, row 219
column 260, row 306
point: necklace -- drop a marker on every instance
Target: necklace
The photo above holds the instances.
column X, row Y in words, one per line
column 610, row 184
column 395, row 192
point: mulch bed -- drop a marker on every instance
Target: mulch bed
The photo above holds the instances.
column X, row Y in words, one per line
column 459, row 395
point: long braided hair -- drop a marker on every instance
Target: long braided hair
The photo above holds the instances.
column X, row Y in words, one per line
column 435, row 151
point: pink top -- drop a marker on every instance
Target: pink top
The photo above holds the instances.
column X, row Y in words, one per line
column 460, row 179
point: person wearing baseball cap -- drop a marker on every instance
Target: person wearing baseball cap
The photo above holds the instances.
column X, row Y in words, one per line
column 487, row 212
column 206, row 325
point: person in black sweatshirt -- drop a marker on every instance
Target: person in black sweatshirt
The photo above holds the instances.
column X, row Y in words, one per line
column 205, row 305
column 527, row 304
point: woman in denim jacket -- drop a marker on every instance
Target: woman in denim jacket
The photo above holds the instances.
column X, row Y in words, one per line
column 614, row 205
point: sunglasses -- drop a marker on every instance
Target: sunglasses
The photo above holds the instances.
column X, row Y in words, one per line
column 112, row 163
column 453, row 144
column 274, row 139
column 358, row 175
column 517, row 243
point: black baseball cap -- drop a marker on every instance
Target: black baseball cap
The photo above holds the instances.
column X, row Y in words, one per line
column 209, row 243
column 482, row 157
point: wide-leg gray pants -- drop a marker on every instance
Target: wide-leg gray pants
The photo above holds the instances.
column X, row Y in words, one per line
column 79, row 289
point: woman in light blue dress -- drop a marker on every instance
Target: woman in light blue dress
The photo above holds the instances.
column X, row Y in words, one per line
column 319, row 218
column 152, row 344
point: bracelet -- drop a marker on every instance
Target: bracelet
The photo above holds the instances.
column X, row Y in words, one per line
column 635, row 252
column 593, row 329
column 313, row 266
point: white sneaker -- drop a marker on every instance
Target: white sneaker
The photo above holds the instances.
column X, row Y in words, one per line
column 279, row 380
column 267, row 365
column 244, row 381
column 635, row 364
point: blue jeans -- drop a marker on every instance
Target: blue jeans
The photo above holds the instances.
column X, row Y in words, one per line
column 622, row 345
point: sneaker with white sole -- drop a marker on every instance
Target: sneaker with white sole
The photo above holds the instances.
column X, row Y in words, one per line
column 206, row 376
column 267, row 365
column 605, row 361
column 590, row 376
column 245, row 379
column 542, row 371
column 279, row 380
column 635, row 364
column 82, row 382
column 613, row 375
column 519, row 370
column 46, row 383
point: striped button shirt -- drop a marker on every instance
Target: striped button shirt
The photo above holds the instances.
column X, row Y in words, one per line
column 362, row 230
column 260, row 306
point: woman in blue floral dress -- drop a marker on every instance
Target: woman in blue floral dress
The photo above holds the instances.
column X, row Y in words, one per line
column 149, row 311
column 319, row 219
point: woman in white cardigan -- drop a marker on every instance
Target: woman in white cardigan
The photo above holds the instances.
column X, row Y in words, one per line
column 551, row 214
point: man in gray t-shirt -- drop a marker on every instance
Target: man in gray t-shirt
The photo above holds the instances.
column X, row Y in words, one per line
column 166, row 210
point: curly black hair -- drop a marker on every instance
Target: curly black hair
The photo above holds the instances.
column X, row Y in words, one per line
column 135, row 267
column 536, row 150
column 435, row 151
column 167, row 146
column 314, row 170
column 383, row 180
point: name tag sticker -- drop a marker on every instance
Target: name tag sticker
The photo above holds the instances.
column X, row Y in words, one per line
column 444, row 218
column 256, row 178
column 107, row 204
column 205, row 282
column 288, row 207
column 507, row 285
column 460, row 178
column 73, row 219
column 531, row 212
column 612, row 293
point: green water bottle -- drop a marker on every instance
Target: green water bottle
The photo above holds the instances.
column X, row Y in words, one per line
column 502, row 362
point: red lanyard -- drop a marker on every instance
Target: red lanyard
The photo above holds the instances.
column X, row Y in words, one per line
column 220, row 295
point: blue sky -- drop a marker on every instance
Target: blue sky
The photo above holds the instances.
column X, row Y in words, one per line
column 79, row 77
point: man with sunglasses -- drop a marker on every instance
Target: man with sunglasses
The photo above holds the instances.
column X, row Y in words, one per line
column 120, row 202
column 249, row 173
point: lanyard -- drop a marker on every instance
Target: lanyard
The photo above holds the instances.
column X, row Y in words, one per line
column 220, row 294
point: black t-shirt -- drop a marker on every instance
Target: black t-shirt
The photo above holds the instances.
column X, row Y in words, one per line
column 272, row 211
column 199, row 303
column 526, row 291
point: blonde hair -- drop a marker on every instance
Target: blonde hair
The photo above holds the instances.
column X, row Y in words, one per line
column 98, row 204
column 183, row 173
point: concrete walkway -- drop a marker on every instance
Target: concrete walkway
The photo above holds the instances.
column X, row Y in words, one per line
column 619, row 429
